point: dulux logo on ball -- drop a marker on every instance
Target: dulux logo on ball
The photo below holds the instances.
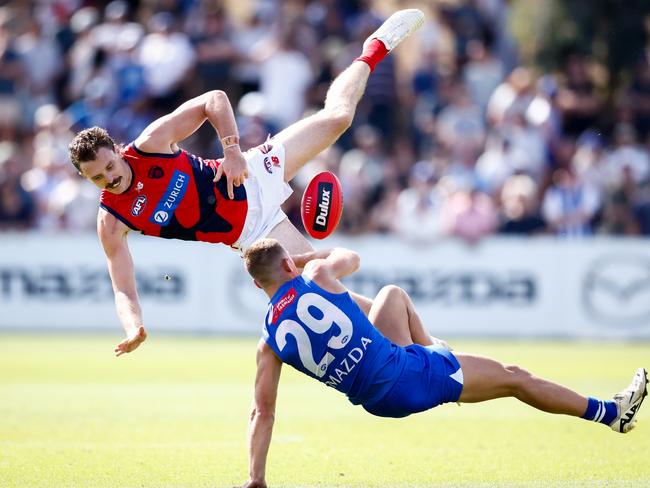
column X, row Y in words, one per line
column 138, row 205
column 172, row 198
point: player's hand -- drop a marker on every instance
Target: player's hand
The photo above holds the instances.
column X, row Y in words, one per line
column 253, row 484
column 132, row 341
column 234, row 168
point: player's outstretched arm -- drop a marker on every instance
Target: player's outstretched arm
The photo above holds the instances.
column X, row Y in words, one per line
column 112, row 234
column 262, row 417
column 163, row 135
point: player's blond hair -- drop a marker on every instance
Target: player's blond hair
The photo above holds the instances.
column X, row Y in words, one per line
column 263, row 260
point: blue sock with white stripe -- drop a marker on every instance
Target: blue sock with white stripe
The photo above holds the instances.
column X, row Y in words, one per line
column 603, row 411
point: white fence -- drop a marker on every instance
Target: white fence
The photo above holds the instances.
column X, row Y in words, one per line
column 503, row 287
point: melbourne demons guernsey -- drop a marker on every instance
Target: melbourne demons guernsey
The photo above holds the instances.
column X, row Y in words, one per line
column 174, row 196
column 328, row 337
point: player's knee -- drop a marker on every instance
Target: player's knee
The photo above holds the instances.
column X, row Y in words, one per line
column 517, row 378
column 392, row 291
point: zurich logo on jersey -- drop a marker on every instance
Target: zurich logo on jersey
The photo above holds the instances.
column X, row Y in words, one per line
column 172, row 198
column 160, row 217
column 138, row 205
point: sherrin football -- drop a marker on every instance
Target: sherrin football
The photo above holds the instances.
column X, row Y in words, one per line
column 322, row 205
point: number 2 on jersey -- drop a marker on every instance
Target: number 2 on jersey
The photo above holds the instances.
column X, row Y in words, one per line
column 331, row 315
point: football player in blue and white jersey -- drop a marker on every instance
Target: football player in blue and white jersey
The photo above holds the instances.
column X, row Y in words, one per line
column 314, row 325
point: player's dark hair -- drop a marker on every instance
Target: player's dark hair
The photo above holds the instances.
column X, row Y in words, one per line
column 86, row 143
column 263, row 259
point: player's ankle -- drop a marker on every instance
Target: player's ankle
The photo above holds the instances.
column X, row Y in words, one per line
column 373, row 52
column 602, row 411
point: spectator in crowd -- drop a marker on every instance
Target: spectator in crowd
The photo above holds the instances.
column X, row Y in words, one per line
column 577, row 97
column 17, row 208
column 463, row 139
column 627, row 154
column 469, row 214
column 167, row 57
column 569, row 205
column 419, row 205
column 285, row 76
column 520, row 207
column 11, row 74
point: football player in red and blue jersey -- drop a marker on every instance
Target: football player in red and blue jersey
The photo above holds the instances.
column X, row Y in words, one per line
column 313, row 325
column 154, row 187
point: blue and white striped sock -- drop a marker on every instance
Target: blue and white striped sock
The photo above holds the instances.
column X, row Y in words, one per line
column 603, row 411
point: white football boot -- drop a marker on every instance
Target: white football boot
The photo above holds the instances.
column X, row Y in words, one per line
column 628, row 402
column 397, row 27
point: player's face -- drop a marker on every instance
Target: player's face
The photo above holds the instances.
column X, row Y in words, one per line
column 108, row 171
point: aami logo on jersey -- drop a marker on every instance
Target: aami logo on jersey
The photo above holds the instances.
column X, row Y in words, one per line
column 138, row 205
column 323, row 204
column 282, row 303
column 171, row 199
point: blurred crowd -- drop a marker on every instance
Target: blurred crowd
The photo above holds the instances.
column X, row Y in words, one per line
column 454, row 137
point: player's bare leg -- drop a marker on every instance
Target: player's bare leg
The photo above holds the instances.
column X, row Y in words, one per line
column 394, row 315
column 307, row 138
column 486, row 379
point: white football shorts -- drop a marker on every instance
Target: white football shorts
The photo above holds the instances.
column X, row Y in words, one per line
column 266, row 191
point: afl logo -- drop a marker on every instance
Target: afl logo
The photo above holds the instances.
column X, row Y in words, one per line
column 138, row 205
column 267, row 165
column 161, row 216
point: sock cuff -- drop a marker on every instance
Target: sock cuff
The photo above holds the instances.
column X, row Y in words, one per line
column 373, row 53
column 602, row 411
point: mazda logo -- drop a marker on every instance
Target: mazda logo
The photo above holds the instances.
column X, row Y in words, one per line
column 616, row 291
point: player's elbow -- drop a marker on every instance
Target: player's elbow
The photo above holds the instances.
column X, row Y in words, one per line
column 340, row 119
column 352, row 259
column 355, row 261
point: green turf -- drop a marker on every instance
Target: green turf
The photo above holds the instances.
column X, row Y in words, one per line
column 174, row 413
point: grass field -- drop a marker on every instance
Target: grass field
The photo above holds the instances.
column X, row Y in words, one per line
column 174, row 414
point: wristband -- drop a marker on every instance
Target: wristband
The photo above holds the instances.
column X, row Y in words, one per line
column 229, row 141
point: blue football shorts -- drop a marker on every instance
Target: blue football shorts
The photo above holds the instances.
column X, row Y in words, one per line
column 431, row 377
